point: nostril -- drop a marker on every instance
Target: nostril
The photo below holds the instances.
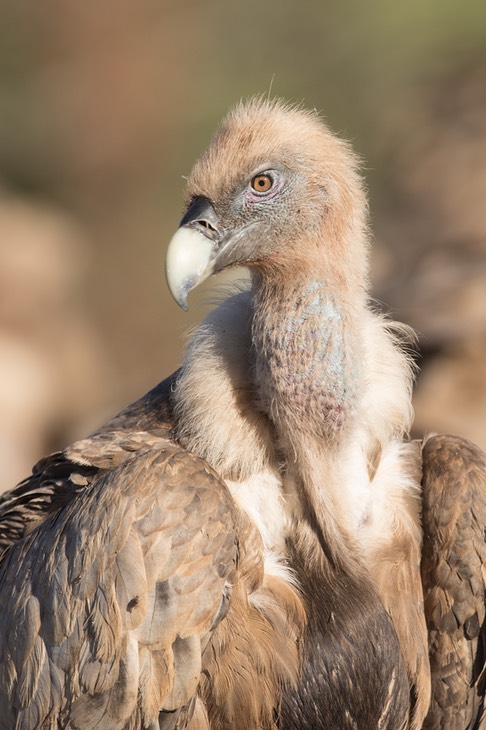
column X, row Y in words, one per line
column 202, row 216
column 207, row 224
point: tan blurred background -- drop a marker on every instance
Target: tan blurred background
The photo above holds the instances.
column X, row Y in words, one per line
column 104, row 107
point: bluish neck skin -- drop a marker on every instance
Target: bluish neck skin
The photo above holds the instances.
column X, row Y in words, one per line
column 307, row 370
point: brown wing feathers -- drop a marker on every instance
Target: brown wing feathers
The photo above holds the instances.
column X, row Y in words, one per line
column 454, row 579
column 125, row 587
column 133, row 562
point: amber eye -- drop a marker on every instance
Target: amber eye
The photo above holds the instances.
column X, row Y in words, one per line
column 262, row 183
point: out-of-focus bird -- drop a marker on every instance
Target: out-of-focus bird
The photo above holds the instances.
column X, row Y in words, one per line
column 254, row 543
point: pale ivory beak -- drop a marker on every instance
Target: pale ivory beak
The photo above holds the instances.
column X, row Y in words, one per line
column 188, row 262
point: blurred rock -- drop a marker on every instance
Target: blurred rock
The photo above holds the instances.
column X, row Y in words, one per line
column 54, row 374
column 434, row 275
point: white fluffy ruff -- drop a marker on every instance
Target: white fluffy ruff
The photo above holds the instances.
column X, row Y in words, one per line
column 219, row 419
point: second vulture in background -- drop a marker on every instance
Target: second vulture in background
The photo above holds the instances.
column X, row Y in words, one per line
column 255, row 543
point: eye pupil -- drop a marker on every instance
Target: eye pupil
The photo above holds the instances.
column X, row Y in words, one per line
column 262, row 183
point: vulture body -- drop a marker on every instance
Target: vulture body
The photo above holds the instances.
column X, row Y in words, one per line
column 255, row 543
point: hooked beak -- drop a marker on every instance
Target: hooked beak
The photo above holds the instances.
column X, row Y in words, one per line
column 201, row 247
column 193, row 250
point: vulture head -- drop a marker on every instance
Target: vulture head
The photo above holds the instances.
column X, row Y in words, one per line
column 275, row 192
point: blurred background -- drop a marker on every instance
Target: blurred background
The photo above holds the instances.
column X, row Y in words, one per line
column 103, row 109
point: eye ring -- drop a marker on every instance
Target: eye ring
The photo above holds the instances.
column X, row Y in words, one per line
column 262, row 183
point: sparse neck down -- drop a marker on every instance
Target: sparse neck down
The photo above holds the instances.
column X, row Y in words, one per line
column 306, row 338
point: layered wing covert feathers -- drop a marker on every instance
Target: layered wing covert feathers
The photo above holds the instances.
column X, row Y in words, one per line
column 121, row 590
column 454, row 580
column 124, row 584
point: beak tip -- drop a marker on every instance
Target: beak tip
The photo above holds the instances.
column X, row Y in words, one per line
column 182, row 302
column 178, row 293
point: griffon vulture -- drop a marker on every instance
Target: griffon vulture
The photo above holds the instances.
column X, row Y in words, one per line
column 255, row 544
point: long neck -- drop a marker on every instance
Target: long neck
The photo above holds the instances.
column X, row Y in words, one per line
column 306, row 339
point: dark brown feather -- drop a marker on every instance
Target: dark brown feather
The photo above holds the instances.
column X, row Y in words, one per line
column 454, row 580
column 143, row 554
column 353, row 675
